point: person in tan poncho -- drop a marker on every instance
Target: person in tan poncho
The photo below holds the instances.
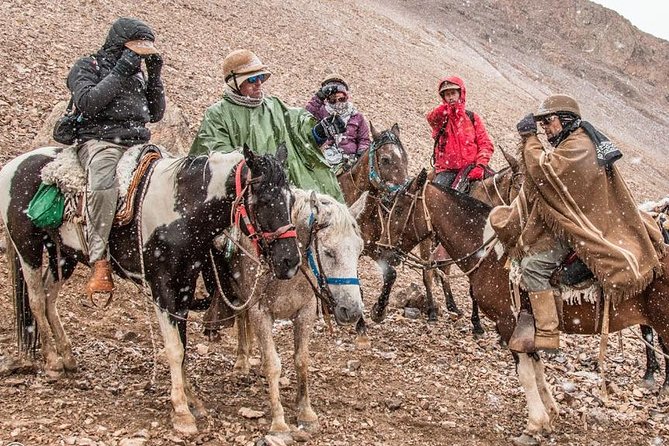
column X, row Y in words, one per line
column 573, row 198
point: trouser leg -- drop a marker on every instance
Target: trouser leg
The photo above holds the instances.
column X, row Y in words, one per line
column 100, row 159
column 536, row 271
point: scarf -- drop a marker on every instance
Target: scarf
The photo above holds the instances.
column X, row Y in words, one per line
column 244, row 101
column 345, row 110
column 607, row 152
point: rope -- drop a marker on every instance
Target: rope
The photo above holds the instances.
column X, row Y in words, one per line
column 249, row 301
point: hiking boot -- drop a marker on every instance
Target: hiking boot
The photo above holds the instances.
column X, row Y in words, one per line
column 101, row 279
column 522, row 339
column 546, row 320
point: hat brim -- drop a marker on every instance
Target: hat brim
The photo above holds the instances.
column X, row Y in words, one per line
column 241, row 78
column 142, row 47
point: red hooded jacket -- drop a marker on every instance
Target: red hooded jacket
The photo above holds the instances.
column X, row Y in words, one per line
column 462, row 142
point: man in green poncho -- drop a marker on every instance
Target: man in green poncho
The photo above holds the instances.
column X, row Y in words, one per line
column 246, row 115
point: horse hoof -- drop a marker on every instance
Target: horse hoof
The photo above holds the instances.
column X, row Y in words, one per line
column 311, row 427
column 647, row 383
column 184, row 424
column 454, row 316
column 525, row 440
column 242, row 369
column 70, row 365
column 378, row 315
column 363, row 343
column 284, row 437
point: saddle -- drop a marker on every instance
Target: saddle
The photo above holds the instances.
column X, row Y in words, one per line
column 66, row 172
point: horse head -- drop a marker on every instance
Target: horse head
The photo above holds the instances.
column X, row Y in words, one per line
column 332, row 250
column 388, row 161
column 269, row 204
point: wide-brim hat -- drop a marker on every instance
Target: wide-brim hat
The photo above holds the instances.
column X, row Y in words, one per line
column 142, row 47
column 240, row 65
column 557, row 103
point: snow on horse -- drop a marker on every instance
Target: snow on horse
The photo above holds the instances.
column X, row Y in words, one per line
column 331, row 246
column 462, row 235
column 184, row 204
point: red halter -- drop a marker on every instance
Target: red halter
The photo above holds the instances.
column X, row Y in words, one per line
column 286, row 231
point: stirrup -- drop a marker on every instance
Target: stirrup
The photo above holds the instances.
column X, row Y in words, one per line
column 92, row 293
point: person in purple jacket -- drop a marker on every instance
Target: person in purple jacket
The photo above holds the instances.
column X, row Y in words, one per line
column 333, row 97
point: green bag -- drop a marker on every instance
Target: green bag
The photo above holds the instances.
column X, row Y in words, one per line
column 47, row 206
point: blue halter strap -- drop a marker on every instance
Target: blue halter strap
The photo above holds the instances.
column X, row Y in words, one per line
column 322, row 279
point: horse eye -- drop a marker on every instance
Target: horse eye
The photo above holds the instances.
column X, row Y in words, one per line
column 385, row 160
column 329, row 253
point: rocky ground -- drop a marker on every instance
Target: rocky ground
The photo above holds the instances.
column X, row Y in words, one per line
column 420, row 383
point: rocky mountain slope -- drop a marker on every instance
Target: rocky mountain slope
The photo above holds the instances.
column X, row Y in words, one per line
column 420, row 384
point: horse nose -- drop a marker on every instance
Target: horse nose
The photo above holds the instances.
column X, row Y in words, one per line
column 290, row 265
column 348, row 314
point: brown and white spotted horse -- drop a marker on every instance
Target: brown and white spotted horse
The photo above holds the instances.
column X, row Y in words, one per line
column 186, row 203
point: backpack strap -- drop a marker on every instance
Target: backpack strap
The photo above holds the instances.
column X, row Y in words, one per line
column 471, row 116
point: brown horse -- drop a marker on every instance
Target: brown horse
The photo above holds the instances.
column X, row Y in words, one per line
column 380, row 172
column 496, row 190
column 458, row 221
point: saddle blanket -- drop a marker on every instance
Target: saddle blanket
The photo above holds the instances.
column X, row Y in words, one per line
column 66, row 172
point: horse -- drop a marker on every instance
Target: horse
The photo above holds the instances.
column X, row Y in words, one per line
column 380, row 171
column 185, row 203
column 332, row 245
column 460, row 229
column 495, row 190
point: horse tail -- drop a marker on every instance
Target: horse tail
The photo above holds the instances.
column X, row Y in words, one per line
column 26, row 328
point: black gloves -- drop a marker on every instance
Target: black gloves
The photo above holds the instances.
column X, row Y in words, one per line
column 527, row 126
column 330, row 125
column 154, row 64
column 128, row 64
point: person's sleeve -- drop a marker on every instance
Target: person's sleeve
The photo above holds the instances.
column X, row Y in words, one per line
column 483, row 142
column 363, row 136
column 155, row 94
column 91, row 94
column 314, row 105
column 436, row 118
column 213, row 135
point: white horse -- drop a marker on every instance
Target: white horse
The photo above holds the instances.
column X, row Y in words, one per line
column 331, row 246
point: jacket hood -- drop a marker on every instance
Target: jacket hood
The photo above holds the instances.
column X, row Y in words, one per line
column 457, row 81
column 124, row 30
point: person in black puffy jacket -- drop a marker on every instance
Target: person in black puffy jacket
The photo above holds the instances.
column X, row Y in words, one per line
column 115, row 99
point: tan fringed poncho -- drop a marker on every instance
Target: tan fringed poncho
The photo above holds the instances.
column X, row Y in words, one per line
column 568, row 195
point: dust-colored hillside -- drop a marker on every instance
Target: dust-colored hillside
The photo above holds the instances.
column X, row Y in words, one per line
column 420, row 384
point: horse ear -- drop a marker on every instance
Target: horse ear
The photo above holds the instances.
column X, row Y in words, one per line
column 513, row 162
column 249, row 156
column 420, row 179
column 375, row 134
column 359, row 206
column 282, row 153
column 396, row 130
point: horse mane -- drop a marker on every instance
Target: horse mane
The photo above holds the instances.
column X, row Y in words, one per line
column 330, row 212
column 468, row 202
column 272, row 171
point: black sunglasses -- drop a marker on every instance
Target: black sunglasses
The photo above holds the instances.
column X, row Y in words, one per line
column 545, row 120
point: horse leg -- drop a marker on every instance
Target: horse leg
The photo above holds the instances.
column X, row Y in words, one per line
column 182, row 419
column 362, row 341
column 53, row 363
column 477, row 328
column 242, row 365
column 544, row 390
column 664, row 391
column 302, row 327
column 63, row 344
column 451, row 306
column 430, row 307
column 389, row 275
column 652, row 365
column 538, row 419
column 272, row 365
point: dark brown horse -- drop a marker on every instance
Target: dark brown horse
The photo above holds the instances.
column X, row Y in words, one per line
column 184, row 204
column 459, row 222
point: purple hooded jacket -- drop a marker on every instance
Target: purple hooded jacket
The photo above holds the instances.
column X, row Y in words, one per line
column 356, row 136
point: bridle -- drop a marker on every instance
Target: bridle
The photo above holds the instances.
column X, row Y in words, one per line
column 515, row 183
column 416, row 261
column 322, row 287
column 387, row 190
column 243, row 211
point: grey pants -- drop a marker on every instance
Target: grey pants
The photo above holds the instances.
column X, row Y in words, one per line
column 99, row 159
column 536, row 269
